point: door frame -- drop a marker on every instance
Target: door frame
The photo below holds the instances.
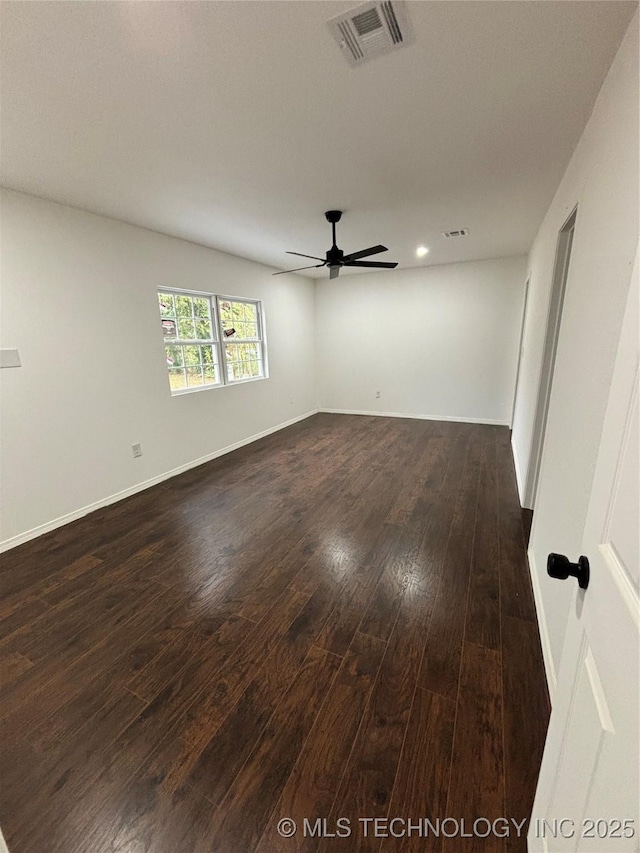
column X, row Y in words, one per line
column 561, row 265
column 519, row 364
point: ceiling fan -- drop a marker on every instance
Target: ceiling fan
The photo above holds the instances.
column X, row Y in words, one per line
column 336, row 258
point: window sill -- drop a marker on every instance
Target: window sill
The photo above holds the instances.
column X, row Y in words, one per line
column 197, row 388
column 243, row 381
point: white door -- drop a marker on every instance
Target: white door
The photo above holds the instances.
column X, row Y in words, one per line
column 588, row 792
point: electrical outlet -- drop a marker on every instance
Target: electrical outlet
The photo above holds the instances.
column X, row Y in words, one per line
column 378, row 395
column 137, row 450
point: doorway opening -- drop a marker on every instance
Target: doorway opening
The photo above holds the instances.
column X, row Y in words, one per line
column 560, row 275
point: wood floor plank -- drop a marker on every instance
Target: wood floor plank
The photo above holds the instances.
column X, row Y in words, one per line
column 42, row 637
column 211, row 730
column 63, row 583
column 65, row 772
column 483, row 612
column 369, row 776
column 477, row 769
column 90, row 684
column 13, row 666
column 422, row 782
column 440, row 668
column 516, row 594
column 360, row 570
column 310, row 789
column 137, row 741
column 526, row 716
column 224, row 755
column 240, row 820
column 71, row 651
column 16, row 614
column 291, row 548
column 87, row 678
column 400, row 545
column 352, row 514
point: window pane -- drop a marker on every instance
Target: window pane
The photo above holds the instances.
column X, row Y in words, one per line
column 210, row 375
column 194, row 376
column 167, row 305
column 191, row 355
column 243, row 360
column 236, row 315
column 177, row 379
column 203, row 330
column 225, row 313
column 187, row 329
column 183, row 306
column 206, row 355
column 169, row 329
column 174, row 356
column 201, row 307
column 242, row 352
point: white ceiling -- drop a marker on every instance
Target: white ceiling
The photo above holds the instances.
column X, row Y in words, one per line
column 237, row 124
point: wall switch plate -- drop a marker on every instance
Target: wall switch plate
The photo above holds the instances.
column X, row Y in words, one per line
column 9, row 358
column 137, row 450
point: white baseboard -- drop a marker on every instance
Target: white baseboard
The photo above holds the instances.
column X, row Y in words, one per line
column 547, row 656
column 6, row 544
column 416, row 417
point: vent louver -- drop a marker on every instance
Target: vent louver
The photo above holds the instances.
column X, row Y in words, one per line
column 460, row 232
column 371, row 30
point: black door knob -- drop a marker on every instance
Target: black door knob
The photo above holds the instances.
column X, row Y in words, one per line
column 560, row 567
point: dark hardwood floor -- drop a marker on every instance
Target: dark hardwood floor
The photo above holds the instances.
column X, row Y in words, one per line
column 333, row 622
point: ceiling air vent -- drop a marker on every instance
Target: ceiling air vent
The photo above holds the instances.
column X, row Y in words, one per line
column 371, row 29
column 461, row 232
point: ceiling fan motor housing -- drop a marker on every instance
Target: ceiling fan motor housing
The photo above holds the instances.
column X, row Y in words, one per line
column 333, row 215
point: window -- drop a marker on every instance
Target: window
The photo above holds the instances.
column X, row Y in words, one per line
column 194, row 324
column 190, row 338
column 241, row 324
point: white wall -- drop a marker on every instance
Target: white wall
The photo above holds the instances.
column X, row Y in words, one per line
column 79, row 302
column 437, row 341
column 602, row 179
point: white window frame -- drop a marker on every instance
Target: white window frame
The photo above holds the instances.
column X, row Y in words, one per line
column 213, row 342
column 219, row 340
column 260, row 339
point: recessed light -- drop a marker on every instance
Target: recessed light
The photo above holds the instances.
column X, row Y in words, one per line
column 421, row 251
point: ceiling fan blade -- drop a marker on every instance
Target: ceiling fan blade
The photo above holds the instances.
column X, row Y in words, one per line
column 305, row 256
column 371, row 264
column 334, row 272
column 312, row 267
column 364, row 253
